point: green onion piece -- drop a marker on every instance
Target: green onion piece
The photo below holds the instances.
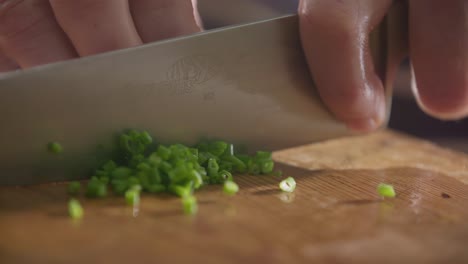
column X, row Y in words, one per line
column 135, row 160
column 155, row 188
column 212, row 168
column 202, row 157
column 197, row 179
column 267, row 166
column 104, row 179
column 226, row 165
column 54, row 147
column 143, row 166
column 74, row 209
column 165, row 166
column 244, row 158
column 176, row 168
column 178, row 151
column 143, row 178
column 230, row 149
column 154, row 159
column 263, row 155
column 194, row 152
column 253, row 168
column 189, row 204
column 225, row 175
column 217, row 147
column 120, row 187
column 74, row 187
column 163, row 152
column 132, row 196
column 237, row 163
column 135, row 142
column 180, row 190
column 386, row 190
column 96, row 188
column 230, row 188
column 145, row 138
column 132, row 181
column 136, row 187
column 109, row 166
column 288, row 185
column 121, row 172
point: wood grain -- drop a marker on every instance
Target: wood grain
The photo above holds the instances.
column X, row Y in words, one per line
column 334, row 216
column 382, row 150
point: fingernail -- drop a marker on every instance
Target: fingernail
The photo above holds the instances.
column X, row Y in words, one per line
column 362, row 125
column 381, row 113
column 368, row 124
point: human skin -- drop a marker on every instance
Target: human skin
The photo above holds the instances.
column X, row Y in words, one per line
column 35, row 32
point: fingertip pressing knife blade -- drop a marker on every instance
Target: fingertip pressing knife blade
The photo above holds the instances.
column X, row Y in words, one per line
column 247, row 84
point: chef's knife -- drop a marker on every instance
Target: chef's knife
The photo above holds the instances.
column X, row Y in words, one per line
column 247, row 84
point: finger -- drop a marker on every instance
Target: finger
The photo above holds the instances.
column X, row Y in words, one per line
column 30, row 35
column 196, row 14
column 439, row 55
column 96, row 26
column 156, row 20
column 335, row 40
column 6, row 64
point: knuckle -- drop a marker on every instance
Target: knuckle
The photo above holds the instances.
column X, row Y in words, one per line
column 335, row 20
column 19, row 18
column 83, row 8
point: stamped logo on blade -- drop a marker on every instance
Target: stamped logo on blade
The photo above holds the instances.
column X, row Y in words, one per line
column 190, row 71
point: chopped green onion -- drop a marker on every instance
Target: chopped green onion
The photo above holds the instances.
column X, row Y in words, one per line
column 225, row 175
column 133, row 181
column 96, row 188
column 120, row 187
column 230, row 149
column 181, row 191
column 263, row 155
column 386, row 190
column 104, row 179
column 217, row 148
column 253, row 168
column 163, row 152
column 230, row 188
column 244, row 158
column 109, row 166
column 197, row 179
column 176, row 169
column 267, row 166
column 227, row 166
column 146, row 138
column 189, row 204
column 288, row 185
column 74, row 209
column 237, row 164
column 213, row 167
column 74, row 187
column 155, row 188
column 132, row 195
column 136, row 187
column 121, row 172
column 54, row 147
column 135, row 142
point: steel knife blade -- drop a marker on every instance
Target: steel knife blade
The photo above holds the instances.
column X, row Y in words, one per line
column 247, row 84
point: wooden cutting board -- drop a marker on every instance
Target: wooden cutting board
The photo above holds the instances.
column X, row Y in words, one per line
column 334, row 216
